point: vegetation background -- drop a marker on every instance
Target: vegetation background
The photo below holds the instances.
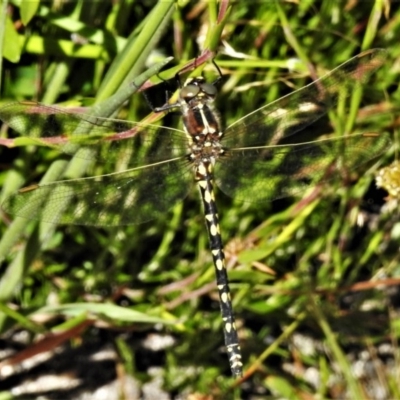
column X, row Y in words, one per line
column 314, row 279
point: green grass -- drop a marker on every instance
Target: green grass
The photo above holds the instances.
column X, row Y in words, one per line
column 303, row 270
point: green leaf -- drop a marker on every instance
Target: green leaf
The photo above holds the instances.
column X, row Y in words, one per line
column 108, row 310
column 282, row 388
column 12, row 48
column 28, row 10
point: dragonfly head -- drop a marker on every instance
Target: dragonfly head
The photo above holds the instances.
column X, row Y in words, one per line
column 197, row 89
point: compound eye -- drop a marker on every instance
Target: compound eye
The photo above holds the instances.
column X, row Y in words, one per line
column 189, row 91
column 209, row 89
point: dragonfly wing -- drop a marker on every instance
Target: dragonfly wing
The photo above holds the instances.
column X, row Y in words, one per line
column 272, row 172
column 77, row 133
column 280, row 120
column 130, row 197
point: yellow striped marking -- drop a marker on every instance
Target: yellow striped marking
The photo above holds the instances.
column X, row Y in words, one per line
column 224, row 297
column 219, row 264
column 228, row 327
column 207, row 196
column 202, row 169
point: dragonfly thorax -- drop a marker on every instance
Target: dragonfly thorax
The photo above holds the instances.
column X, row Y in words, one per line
column 201, row 121
column 200, row 118
column 205, row 152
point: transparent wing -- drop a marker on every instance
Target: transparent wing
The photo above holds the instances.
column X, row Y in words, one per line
column 130, row 197
column 105, row 139
column 284, row 120
column 278, row 157
column 271, row 172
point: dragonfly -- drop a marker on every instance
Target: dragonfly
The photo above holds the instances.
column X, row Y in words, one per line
column 266, row 155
